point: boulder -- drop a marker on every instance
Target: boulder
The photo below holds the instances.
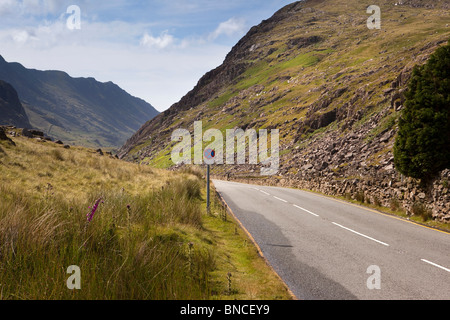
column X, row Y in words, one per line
column 4, row 137
column 31, row 133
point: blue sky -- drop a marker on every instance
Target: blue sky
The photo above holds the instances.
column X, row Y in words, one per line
column 156, row 50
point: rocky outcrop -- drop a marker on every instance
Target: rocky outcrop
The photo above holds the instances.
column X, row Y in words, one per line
column 4, row 137
column 11, row 110
column 359, row 166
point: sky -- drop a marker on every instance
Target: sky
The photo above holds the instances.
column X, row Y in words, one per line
column 156, row 50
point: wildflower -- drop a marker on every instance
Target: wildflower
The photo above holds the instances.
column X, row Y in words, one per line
column 90, row 215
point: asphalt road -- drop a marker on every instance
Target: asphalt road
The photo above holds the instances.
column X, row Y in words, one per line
column 325, row 249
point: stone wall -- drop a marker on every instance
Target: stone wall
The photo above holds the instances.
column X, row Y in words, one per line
column 387, row 190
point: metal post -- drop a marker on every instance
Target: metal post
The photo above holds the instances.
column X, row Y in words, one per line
column 208, row 203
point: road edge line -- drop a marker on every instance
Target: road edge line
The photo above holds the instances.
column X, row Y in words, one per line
column 258, row 248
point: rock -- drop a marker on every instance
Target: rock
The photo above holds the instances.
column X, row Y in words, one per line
column 4, row 137
column 324, row 165
column 422, row 196
column 66, row 146
column 27, row 133
column 59, row 142
column 100, row 152
column 37, row 133
column 386, row 137
column 31, row 133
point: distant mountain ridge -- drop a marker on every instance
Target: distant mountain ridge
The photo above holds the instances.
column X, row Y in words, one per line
column 11, row 110
column 80, row 111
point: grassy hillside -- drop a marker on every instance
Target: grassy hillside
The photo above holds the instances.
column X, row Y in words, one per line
column 149, row 237
column 332, row 87
column 312, row 67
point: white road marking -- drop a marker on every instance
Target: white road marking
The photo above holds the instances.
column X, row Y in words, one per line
column 436, row 265
column 316, row 215
column 360, row 234
column 280, row 199
column 267, row 194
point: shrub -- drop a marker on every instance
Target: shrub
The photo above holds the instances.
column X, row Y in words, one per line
column 422, row 147
column 360, row 196
column 377, row 201
column 395, row 204
column 419, row 209
column 445, row 184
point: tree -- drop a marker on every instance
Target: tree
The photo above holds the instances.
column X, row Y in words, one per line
column 422, row 147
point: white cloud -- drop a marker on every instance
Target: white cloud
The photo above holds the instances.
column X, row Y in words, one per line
column 161, row 42
column 107, row 52
column 6, row 6
column 21, row 36
column 229, row 28
column 30, row 7
column 115, row 42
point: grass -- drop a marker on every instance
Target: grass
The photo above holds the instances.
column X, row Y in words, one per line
column 251, row 278
column 150, row 237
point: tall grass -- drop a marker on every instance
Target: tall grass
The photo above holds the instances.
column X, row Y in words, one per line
column 137, row 246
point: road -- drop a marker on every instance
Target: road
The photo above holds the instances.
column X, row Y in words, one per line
column 326, row 249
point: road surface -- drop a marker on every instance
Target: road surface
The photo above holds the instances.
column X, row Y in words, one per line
column 325, row 249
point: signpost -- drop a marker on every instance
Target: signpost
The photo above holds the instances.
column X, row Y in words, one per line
column 209, row 159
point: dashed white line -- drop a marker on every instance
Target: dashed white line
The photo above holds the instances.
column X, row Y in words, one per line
column 362, row 235
column 436, row 265
column 312, row 213
column 280, row 199
column 267, row 194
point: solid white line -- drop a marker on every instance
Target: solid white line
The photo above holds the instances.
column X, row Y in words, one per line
column 316, row 215
column 267, row 194
column 362, row 235
column 436, row 265
column 280, row 199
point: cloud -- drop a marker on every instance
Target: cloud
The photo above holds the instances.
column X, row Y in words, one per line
column 6, row 7
column 161, row 42
column 143, row 64
column 156, row 50
column 229, row 28
column 30, row 7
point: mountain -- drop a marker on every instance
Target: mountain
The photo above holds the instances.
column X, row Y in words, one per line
column 11, row 110
column 79, row 111
column 331, row 85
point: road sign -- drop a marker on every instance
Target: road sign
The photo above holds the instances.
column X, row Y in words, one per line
column 209, row 155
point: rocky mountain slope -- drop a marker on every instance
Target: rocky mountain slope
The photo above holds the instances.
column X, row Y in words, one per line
column 11, row 110
column 77, row 110
column 332, row 86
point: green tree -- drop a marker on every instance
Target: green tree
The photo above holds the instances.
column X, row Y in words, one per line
column 422, row 147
